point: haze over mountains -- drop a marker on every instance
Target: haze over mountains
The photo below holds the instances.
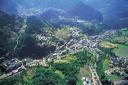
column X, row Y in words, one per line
column 108, row 8
column 72, row 7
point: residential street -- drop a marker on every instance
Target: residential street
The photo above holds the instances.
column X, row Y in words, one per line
column 95, row 77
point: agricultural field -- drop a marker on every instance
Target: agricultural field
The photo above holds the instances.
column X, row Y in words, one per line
column 84, row 71
column 121, row 51
column 106, row 44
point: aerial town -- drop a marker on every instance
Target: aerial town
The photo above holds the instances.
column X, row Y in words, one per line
column 59, row 42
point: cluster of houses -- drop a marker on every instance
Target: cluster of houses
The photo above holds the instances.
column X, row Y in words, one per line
column 86, row 81
column 75, row 44
column 75, row 32
column 29, row 12
column 105, row 36
column 14, row 66
column 118, row 65
column 37, row 63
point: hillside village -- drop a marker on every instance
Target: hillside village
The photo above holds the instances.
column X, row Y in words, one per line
column 53, row 42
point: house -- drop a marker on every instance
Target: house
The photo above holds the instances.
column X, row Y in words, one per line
column 86, row 81
column 13, row 65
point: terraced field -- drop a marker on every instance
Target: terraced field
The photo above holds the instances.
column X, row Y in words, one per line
column 106, row 44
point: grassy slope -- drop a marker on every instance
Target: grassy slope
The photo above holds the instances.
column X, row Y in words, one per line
column 121, row 51
column 84, row 71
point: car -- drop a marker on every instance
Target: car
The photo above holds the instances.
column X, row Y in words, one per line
column 95, row 77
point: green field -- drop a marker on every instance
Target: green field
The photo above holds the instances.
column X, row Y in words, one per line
column 121, row 51
column 106, row 64
column 113, row 77
column 107, row 44
column 84, row 72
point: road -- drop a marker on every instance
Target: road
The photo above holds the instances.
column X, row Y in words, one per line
column 9, row 75
column 95, row 76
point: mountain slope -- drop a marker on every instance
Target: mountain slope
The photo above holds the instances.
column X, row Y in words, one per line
column 86, row 12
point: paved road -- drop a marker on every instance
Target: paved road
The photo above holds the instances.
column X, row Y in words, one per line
column 95, row 76
column 9, row 75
